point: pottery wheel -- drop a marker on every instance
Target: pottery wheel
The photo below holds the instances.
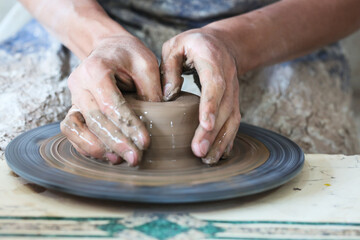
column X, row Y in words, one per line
column 261, row 160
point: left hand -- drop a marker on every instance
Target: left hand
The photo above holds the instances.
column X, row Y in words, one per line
column 207, row 51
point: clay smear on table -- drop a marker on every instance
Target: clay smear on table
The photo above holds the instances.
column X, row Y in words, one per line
column 169, row 159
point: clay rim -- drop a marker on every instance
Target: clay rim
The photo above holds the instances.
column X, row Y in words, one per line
column 136, row 101
column 285, row 162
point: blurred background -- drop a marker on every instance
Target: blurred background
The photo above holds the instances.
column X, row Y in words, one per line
column 5, row 7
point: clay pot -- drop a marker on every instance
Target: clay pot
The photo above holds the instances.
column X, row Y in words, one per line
column 171, row 126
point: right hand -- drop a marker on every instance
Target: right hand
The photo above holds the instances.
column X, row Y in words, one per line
column 100, row 123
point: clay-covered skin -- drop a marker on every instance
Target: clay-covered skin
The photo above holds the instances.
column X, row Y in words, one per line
column 170, row 125
column 117, row 63
column 219, row 115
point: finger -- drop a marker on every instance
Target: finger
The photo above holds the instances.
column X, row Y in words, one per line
column 107, row 131
column 111, row 157
column 213, row 83
column 234, row 134
column 112, row 103
column 146, row 76
column 75, row 129
column 172, row 60
column 223, row 142
column 237, row 118
column 203, row 138
column 112, row 137
column 223, row 139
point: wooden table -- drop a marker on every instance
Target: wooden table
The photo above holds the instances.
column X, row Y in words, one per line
column 322, row 202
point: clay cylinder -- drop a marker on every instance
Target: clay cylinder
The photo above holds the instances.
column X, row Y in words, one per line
column 171, row 124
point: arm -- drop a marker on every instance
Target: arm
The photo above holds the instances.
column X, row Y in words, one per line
column 287, row 29
column 226, row 49
column 78, row 24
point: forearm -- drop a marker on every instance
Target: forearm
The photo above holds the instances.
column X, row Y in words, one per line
column 79, row 24
column 287, row 29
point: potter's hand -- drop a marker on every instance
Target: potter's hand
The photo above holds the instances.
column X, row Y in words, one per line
column 100, row 123
column 219, row 115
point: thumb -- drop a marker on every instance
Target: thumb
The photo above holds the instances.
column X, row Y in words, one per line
column 171, row 70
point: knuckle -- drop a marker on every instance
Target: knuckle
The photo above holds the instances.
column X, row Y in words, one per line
column 92, row 126
column 63, row 126
column 147, row 64
column 93, row 69
column 237, row 117
column 211, row 45
column 93, row 62
column 150, row 67
column 72, row 81
column 121, row 148
column 171, row 42
column 66, row 124
column 232, row 71
column 73, row 116
column 220, row 84
column 96, row 70
column 165, row 47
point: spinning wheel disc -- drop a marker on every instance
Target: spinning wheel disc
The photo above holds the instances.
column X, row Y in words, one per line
column 260, row 160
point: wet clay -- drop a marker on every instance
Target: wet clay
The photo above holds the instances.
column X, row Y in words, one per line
column 171, row 126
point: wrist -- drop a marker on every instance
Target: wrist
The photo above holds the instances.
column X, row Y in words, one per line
column 85, row 28
column 92, row 31
column 108, row 28
column 237, row 34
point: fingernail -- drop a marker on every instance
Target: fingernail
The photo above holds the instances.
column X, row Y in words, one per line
column 211, row 159
column 113, row 158
column 167, row 91
column 204, row 147
column 196, row 149
column 130, row 157
column 208, row 120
